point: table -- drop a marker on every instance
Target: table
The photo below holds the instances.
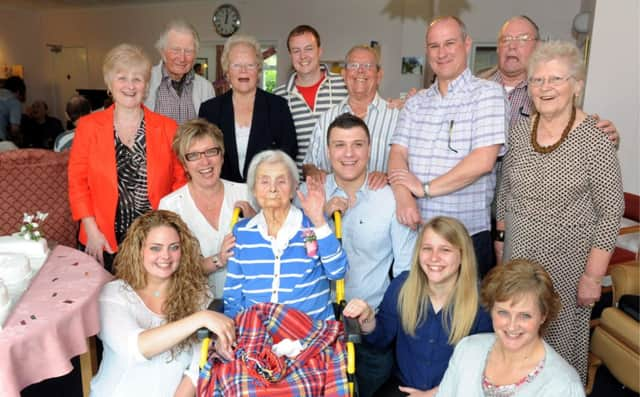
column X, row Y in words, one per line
column 52, row 321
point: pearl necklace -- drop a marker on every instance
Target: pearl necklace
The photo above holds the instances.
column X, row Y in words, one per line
column 548, row 149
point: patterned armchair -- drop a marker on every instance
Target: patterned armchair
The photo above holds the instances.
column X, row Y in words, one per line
column 36, row 180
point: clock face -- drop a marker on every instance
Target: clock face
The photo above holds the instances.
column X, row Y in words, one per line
column 226, row 20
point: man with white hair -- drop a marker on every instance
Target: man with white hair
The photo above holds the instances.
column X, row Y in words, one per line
column 175, row 90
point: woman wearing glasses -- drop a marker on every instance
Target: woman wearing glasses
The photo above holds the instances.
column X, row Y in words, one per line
column 121, row 163
column 560, row 200
column 251, row 119
column 206, row 202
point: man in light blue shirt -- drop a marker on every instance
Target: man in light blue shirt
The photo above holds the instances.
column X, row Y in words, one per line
column 373, row 239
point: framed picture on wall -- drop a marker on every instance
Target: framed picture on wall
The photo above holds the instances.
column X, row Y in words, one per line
column 483, row 56
column 202, row 67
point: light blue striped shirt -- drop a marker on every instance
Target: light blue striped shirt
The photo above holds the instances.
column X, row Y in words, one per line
column 439, row 132
column 381, row 121
column 278, row 270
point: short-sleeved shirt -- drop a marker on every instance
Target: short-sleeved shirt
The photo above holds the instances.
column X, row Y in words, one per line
column 439, row 132
column 381, row 121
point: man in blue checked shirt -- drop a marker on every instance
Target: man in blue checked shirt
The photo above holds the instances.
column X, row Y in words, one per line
column 373, row 239
column 447, row 140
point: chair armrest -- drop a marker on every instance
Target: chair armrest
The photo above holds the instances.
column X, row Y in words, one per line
column 626, row 280
column 622, row 327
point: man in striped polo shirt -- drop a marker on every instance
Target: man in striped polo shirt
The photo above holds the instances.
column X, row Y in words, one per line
column 312, row 88
column 362, row 75
column 447, row 140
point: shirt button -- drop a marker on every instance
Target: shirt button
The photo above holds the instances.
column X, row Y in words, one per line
column 277, row 257
column 275, row 276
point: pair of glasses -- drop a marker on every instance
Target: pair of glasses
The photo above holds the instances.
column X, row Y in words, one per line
column 246, row 66
column 518, row 40
column 211, row 152
column 553, row 81
column 364, row 66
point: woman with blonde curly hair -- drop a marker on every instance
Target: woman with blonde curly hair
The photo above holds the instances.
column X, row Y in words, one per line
column 150, row 312
column 428, row 309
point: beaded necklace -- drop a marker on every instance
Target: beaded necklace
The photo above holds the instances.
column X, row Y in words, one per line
column 548, row 149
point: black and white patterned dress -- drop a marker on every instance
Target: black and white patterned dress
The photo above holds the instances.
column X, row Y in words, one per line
column 557, row 207
column 133, row 196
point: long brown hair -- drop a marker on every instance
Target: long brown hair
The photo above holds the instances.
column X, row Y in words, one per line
column 188, row 288
column 459, row 312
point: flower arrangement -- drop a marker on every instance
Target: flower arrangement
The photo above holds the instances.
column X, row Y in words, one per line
column 310, row 242
column 29, row 229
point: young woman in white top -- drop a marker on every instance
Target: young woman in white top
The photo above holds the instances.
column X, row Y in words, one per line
column 150, row 312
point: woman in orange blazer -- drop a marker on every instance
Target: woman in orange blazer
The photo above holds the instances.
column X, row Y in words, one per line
column 121, row 163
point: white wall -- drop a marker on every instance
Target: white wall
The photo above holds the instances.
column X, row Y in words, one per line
column 613, row 82
column 22, row 43
column 398, row 25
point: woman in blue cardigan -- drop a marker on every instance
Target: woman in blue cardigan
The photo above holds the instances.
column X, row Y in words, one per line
column 283, row 255
column 428, row 309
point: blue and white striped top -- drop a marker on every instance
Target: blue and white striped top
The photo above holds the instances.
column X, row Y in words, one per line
column 278, row 270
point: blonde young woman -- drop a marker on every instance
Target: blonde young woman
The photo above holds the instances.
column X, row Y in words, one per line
column 428, row 309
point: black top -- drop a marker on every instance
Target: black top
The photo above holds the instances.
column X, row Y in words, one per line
column 271, row 128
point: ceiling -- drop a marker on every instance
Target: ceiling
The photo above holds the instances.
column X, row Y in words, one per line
column 55, row 4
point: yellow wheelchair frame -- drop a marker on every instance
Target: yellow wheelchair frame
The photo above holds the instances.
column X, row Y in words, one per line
column 351, row 326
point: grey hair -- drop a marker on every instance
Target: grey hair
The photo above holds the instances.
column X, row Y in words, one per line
column 270, row 157
column 126, row 57
column 523, row 17
column 463, row 27
column 375, row 51
column 558, row 50
column 235, row 40
column 177, row 25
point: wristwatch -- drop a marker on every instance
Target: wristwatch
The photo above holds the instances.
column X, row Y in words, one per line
column 426, row 190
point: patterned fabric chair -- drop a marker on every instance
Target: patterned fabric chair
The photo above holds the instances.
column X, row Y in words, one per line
column 36, row 180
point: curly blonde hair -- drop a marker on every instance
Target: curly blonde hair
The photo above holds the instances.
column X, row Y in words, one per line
column 188, row 290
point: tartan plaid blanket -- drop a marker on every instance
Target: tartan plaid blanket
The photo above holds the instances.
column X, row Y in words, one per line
column 319, row 370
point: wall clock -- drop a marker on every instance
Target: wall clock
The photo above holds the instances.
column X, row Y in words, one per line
column 226, row 20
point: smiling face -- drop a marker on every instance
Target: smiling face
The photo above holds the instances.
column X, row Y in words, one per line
column 362, row 82
column 179, row 54
column 205, row 171
column 128, row 88
column 349, row 154
column 447, row 50
column 517, row 324
column 439, row 259
column 161, row 252
column 305, row 53
column 552, row 100
column 242, row 76
column 513, row 56
column 273, row 187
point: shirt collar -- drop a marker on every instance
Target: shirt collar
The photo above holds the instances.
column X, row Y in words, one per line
column 287, row 231
column 333, row 189
column 499, row 78
column 377, row 104
column 459, row 83
column 187, row 79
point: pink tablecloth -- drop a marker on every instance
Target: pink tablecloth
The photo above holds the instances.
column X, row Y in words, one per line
column 51, row 322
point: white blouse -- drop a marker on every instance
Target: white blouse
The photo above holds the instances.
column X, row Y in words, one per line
column 210, row 237
column 124, row 371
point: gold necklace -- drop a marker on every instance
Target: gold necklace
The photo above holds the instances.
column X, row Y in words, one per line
column 548, row 149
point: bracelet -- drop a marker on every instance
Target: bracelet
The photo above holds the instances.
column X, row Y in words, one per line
column 498, row 236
